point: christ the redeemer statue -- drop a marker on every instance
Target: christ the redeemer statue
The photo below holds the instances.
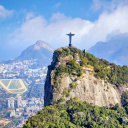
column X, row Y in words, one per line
column 70, row 38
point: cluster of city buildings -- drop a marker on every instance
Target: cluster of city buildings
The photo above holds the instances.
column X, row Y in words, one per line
column 23, row 69
column 17, row 107
column 24, row 108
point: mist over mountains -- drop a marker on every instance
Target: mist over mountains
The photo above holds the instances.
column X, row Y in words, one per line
column 41, row 51
column 114, row 50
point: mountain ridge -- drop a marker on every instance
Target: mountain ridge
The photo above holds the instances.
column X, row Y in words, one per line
column 41, row 51
column 114, row 50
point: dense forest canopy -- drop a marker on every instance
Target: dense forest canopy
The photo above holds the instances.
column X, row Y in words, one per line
column 77, row 114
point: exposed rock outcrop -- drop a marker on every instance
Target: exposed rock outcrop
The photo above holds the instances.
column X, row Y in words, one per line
column 90, row 89
column 86, row 87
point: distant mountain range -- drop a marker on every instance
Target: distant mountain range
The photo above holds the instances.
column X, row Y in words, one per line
column 41, row 51
column 115, row 50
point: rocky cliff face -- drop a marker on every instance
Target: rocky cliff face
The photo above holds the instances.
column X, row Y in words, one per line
column 89, row 89
column 85, row 86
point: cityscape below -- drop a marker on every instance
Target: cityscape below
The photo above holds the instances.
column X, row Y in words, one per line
column 21, row 105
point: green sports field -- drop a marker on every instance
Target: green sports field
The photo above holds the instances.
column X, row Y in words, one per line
column 16, row 86
column 5, row 82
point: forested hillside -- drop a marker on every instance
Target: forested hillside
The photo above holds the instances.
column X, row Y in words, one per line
column 63, row 113
column 77, row 114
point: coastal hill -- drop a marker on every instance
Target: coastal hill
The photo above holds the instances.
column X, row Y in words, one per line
column 76, row 73
column 83, row 91
column 40, row 51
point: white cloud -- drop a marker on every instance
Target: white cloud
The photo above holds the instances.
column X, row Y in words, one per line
column 96, row 5
column 29, row 16
column 108, row 5
column 58, row 17
column 57, row 5
column 54, row 32
column 4, row 12
column 28, row 33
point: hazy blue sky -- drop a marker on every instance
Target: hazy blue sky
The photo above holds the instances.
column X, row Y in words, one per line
column 23, row 22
